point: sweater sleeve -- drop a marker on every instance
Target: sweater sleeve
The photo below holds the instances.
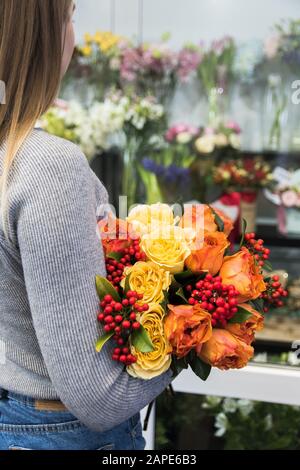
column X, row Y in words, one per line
column 61, row 254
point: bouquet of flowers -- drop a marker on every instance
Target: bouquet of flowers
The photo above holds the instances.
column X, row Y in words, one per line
column 144, row 122
column 97, row 61
column 246, row 174
column 176, row 296
column 286, row 195
column 189, row 59
column 149, row 69
column 224, row 136
column 242, row 179
column 94, row 129
column 166, row 173
column 284, row 43
column 214, row 71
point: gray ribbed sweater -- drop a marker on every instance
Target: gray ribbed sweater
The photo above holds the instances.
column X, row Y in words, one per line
column 48, row 301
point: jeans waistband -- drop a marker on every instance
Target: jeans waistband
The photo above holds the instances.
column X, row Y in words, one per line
column 45, row 405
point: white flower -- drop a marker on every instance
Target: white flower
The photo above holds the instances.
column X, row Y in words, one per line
column 230, row 405
column 221, row 424
column 184, row 138
column 211, row 402
column 205, row 144
column 268, row 421
column 261, row 357
column 293, row 358
column 221, row 140
column 245, row 407
column 235, row 141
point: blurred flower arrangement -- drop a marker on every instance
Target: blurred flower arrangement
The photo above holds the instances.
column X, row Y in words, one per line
column 287, row 197
column 215, row 72
column 239, row 423
column 166, row 174
column 97, row 61
column 144, row 123
column 149, row 69
column 245, row 176
column 182, row 165
column 284, row 43
column 94, row 129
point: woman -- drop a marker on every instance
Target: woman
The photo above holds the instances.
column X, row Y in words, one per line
column 56, row 392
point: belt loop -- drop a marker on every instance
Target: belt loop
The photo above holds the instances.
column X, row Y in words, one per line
column 3, row 394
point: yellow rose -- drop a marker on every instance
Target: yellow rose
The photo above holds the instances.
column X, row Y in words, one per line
column 145, row 219
column 168, row 247
column 158, row 361
column 149, row 279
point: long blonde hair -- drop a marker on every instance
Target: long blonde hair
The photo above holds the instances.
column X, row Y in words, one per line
column 31, row 51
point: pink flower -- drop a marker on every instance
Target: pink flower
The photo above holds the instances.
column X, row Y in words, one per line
column 233, row 126
column 189, row 60
column 61, row 104
column 178, row 129
column 209, row 131
column 272, row 45
column 289, row 198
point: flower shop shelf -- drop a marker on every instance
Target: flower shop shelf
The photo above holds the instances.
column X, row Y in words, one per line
column 273, row 238
column 271, row 155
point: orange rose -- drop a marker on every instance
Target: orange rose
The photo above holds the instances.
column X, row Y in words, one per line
column 114, row 235
column 241, row 271
column 200, row 217
column 225, row 351
column 246, row 331
column 209, row 257
column 186, row 327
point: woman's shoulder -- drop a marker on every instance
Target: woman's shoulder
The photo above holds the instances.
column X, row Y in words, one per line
column 43, row 150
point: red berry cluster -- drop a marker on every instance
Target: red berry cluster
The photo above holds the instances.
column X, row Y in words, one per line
column 274, row 294
column 218, row 299
column 130, row 256
column 261, row 254
column 121, row 318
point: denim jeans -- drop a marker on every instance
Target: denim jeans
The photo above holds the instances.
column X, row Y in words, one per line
column 23, row 427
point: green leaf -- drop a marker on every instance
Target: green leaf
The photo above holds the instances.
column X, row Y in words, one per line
column 141, row 341
column 241, row 316
column 127, row 284
column 267, row 266
column 103, row 340
column 258, row 304
column 184, row 276
column 180, row 293
column 104, row 287
column 178, row 365
column 244, row 228
column 218, row 220
column 200, row 368
column 165, row 302
column 114, row 255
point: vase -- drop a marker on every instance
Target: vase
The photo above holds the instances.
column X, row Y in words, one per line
column 214, row 97
column 289, row 221
column 201, row 171
column 153, row 192
column 248, row 210
column 275, row 113
column 130, row 175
